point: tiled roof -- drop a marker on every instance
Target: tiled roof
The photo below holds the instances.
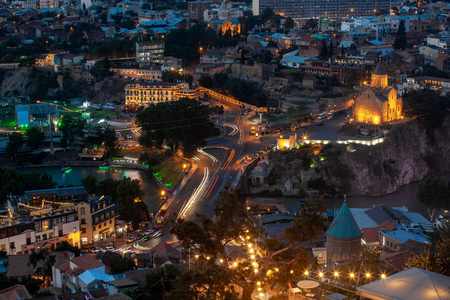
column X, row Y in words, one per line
column 344, row 226
column 379, row 70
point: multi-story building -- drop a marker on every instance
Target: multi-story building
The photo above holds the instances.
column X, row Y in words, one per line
column 70, row 194
column 24, row 234
column 147, row 51
column 144, row 73
column 145, row 93
column 196, row 9
column 321, row 8
column 97, row 218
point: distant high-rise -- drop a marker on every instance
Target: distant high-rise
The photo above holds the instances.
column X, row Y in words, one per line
column 322, row 8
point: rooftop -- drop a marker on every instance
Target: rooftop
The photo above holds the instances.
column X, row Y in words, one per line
column 344, row 226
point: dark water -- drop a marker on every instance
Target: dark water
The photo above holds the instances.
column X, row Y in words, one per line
column 405, row 196
column 152, row 198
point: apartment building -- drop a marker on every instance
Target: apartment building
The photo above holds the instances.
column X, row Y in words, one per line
column 321, row 8
column 98, row 217
column 144, row 73
column 196, row 9
column 24, row 233
column 147, row 51
column 146, row 93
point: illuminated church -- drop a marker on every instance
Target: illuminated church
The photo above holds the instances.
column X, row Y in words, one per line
column 378, row 102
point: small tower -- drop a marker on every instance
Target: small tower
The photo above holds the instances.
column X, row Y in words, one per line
column 379, row 77
column 343, row 236
column 223, row 11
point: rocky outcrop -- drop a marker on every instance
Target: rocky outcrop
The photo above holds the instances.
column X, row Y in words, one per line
column 17, row 82
column 409, row 153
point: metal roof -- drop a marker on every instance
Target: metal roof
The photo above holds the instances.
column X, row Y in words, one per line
column 344, row 226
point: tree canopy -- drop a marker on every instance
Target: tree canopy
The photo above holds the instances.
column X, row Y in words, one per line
column 35, row 137
column 231, row 226
column 433, row 192
column 183, row 123
column 70, row 128
column 400, row 38
column 109, row 137
column 15, row 142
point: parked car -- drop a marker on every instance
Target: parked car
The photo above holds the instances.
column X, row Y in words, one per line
column 128, row 136
column 131, row 239
column 319, row 123
column 109, row 248
column 149, row 232
column 97, row 249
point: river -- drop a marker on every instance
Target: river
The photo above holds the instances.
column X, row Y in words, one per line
column 152, row 199
column 405, row 196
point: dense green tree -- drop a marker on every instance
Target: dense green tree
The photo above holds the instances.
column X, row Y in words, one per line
column 289, row 23
column 108, row 187
column 267, row 14
column 90, row 184
column 15, row 142
column 130, row 197
column 101, row 69
column 400, row 38
column 35, row 137
column 128, row 24
column 71, row 128
column 65, row 246
column 129, row 191
column 331, row 51
column 312, row 23
column 219, row 80
column 425, row 105
column 183, row 123
column 206, row 81
column 185, row 43
column 324, row 51
column 436, row 258
column 122, row 265
column 176, row 76
column 204, row 280
column 43, row 261
column 434, row 193
column 109, row 137
column 160, row 281
column 146, row 6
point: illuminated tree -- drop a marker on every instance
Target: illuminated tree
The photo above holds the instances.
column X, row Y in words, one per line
column 231, row 226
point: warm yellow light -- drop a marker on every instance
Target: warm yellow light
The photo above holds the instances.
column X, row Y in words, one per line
column 258, row 283
column 276, row 270
column 306, row 273
column 207, row 257
column 248, row 237
column 162, row 193
column 261, row 295
column 256, row 270
column 235, row 264
column 255, row 264
column 376, row 120
column 320, row 274
column 252, row 257
column 292, row 271
column 352, row 275
column 250, row 245
column 383, row 276
column 367, row 275
column 336, row 274
column 221, row 261
column 184, row 166
column 251, row 250
column 196, row 256
column 259, row 289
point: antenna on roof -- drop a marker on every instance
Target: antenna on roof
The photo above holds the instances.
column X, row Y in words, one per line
column 345, row 198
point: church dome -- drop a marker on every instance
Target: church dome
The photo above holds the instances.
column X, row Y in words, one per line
column 344, row 226
column 223, row 6
column 379, row 70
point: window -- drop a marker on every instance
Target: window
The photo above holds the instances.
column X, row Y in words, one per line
column 28, row 241
column 60, row 232
column 83, row 230
column 44, row 236
column 12, row 245
column 82, row 211
column 38, row 238
column 83, row 221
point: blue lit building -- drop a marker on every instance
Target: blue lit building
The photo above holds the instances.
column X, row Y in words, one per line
column 322, row 8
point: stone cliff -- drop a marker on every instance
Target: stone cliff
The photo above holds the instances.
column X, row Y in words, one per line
column 409, row 153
